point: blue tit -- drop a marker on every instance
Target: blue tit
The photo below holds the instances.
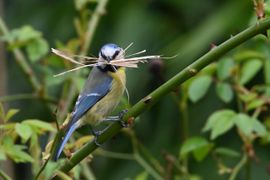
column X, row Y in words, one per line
column 101, row 94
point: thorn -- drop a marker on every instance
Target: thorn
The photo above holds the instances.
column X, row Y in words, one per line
column 147, row 99
column 192, row 71
column 130, row 121
column 213, row 46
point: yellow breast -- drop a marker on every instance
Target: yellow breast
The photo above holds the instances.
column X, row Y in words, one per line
column 106, row 105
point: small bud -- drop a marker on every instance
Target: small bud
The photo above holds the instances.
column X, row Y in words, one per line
column 259, row 8
column 156, row 66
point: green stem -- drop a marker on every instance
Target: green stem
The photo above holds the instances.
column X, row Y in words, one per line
column 17, row 97
column 167, row 87
column 146, row 166
column 87, row 172
column 238, row 167
column 92, row 25
column 116, row 155
column 4, row 176
column 21, row 60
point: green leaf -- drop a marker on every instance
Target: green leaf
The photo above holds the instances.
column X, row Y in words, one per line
column 199, row 87
column 224, row 91
column 198, row 145
column 254, row 104
column 38, row 124
column 82, row 3
column 2, row 155
column 224, row 68
column 220, row 122
column 142, row 176
column 2, row 111
column 267, row 76
column 24, row 131
column 11, row 113
column 248, row 96
column 21, row 35
column 37, row 49
column 18, row 155
column 249, row 70
column 227, row 152
column 244, row 123
column 259, row 128
column 200, row 153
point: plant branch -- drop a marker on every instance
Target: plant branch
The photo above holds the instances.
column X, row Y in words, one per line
column 238, row 167
column 17, row 97
column 21, row 60
column 167, row 87
column 92, row 25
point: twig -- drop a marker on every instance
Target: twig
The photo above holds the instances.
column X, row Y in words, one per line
column 167, row 87
column 92, row 25
column 21, row 60
column 238, row 167
column 17, row 97
column 4, row 175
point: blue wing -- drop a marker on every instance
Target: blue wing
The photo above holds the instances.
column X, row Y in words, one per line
column 87, row 99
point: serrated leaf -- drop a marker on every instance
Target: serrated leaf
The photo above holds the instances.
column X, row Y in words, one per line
column 192, row 144
column 227, row 152
column 23, row 130
column 249, row 70
column 224, row 91
column 255, row 104
column 224, row 68
column 36, row 49
column 244, row 123
column 199, row 87
column 220, row 122
column 34, row 123
column 11, row 113
column 21, row 35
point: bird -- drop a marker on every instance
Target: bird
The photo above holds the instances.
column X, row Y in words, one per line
column 101, row 93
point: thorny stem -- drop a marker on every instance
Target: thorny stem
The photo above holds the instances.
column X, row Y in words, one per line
column 167, row 87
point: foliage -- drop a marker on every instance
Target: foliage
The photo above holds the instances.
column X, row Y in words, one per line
column 228, row 100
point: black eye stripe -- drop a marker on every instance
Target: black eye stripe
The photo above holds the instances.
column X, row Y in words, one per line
column 102, row 55
column 115, row 54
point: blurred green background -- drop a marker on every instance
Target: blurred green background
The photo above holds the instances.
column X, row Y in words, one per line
column 167, row 27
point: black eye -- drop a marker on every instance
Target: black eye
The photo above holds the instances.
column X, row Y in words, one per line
column 115, row 54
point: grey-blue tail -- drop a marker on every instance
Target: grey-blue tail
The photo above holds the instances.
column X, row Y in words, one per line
column 64, row 140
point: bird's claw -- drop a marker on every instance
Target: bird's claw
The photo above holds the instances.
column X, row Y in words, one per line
column 123, row 123
column 96, row 134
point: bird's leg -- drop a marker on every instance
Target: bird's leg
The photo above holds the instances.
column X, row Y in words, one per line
column 118, row 118
column 96, row 134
